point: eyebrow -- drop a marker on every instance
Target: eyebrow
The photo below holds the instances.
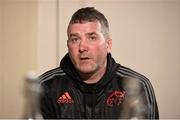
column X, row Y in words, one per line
column 73, row 35
column 76, row 34
column 92, row 33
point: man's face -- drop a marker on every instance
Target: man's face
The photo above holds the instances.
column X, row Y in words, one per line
column 88, row 47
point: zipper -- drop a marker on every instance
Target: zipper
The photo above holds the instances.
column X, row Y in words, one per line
column 84, row 103
column 93, row 105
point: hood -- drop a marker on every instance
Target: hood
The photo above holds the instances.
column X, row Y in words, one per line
column 68, row 68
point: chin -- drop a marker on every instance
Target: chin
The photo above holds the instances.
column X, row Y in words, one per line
column 87, row 70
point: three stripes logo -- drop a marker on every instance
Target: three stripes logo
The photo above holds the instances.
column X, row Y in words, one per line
column 65, row 98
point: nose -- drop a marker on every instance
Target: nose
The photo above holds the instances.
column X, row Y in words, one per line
column 83, row 45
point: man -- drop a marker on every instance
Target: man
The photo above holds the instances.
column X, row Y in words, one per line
column 89, row 83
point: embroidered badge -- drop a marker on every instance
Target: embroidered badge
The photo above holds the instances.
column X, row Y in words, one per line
column 65, row 98
column 116, row 98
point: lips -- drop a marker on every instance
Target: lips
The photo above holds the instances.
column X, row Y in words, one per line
column 84, row 58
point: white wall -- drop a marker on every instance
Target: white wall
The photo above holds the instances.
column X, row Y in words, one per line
column 47, row 35
column 27, row 43
column 146, row 37
column 0, row 55
column 18, row 26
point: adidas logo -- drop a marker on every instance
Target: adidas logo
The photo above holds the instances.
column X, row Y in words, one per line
column 65, row 98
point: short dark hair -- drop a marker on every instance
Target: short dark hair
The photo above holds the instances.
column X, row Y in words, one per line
column 90, row 14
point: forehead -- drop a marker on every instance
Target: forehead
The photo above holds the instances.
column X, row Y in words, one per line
column 84, row 27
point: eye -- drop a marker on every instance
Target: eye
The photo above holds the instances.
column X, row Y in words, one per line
column 74, row 39
column 92, row 38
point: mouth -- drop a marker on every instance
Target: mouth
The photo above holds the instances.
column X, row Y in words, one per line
column 84, row 58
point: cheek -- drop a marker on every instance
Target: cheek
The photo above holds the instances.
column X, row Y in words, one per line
column 72, row 52
column 101, row 52
column 102, row 48
column 72, row 49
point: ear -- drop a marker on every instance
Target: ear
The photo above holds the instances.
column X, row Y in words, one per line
column 109, row 44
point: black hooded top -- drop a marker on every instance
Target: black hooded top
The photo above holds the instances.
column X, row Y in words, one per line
column 120, row 93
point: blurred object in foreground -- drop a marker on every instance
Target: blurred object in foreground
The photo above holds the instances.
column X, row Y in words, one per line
column 31, row 92
column 135, row 106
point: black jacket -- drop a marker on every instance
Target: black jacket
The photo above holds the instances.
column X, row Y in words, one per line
column 121, row 93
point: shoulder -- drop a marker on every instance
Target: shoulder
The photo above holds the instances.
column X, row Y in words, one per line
column 135, row 80
column 129, row 73
column 133, row 77
column 51, row 74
